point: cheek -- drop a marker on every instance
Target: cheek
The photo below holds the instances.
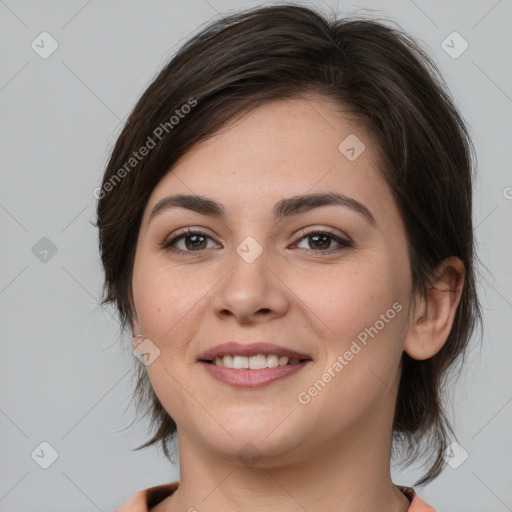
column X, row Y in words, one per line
column 165, row 297
column 365, row 312
column 350, row 298
column 168, row 302
column 364, row 307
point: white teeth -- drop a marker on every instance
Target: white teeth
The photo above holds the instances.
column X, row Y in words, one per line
column 272, row 361
column 257, row 362
column 240, row 362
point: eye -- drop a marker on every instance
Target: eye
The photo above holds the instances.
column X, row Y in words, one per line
column 322, row 240
column 192, row 239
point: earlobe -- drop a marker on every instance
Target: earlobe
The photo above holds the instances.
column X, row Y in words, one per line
column 136, row 335
column 134, row 325
column 434, row 315
column 136, row 340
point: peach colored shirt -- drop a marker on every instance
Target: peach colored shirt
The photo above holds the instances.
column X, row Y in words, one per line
column 144, row 500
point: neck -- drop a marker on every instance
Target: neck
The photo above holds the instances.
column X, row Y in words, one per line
column 350, row 473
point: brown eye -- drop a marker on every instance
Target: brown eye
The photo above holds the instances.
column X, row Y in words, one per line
column 191, row 241
column 322, row 240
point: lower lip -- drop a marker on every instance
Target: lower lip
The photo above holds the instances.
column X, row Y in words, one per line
column 246, row 378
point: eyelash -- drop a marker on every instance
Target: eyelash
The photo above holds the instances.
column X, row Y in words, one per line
column 167, row 245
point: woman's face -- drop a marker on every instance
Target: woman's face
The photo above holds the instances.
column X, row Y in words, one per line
column 331, row 282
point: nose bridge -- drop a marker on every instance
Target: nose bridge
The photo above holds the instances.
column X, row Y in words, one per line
column 249, row 263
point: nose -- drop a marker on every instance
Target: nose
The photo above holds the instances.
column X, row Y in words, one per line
column 251, row 291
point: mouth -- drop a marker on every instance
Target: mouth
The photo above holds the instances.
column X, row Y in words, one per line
column 255, row 356
column 257, row 362
column 243, row 365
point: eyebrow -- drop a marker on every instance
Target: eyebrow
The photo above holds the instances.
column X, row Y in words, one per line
column 283, row 208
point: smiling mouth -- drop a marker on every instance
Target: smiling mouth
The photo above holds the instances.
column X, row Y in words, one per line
column 250, row 372
column 257, row 362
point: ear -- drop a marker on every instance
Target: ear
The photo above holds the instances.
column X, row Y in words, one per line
column 433, row 315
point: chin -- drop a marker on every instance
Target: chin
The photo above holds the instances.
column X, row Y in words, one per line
column 265, row 448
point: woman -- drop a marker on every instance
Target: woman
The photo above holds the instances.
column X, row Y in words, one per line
column 285, row 227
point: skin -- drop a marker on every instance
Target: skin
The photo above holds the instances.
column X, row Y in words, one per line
column 333, row 453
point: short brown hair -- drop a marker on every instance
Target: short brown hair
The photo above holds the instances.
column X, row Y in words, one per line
column 381, row 75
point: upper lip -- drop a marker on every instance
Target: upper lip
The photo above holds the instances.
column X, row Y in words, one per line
column 250, row 349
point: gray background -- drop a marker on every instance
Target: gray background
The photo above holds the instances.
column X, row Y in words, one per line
column 65, row 377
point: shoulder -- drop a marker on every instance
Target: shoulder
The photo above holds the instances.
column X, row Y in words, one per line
column 417, row 504
column 150, row 497
column 147, row 498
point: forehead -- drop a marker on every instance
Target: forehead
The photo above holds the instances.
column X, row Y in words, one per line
column 281, row 149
